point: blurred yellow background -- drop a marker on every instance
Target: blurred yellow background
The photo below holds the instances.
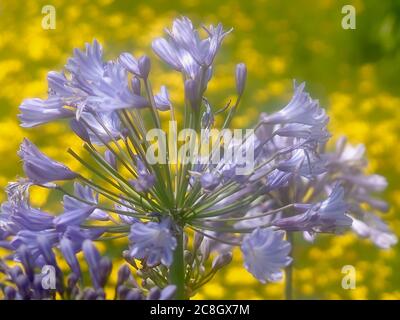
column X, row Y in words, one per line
column 353, row 73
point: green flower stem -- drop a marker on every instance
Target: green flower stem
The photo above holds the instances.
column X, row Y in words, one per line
column 289, row 272
column 177, row 270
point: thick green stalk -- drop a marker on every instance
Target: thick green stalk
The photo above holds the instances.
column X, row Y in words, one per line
column 177, row 270
column 289, row 272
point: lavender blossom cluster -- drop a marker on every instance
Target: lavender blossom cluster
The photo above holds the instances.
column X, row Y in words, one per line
column 180, row 222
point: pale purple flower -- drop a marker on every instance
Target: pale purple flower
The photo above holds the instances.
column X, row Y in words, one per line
column 326, row 216
column 167, row 52
column 153, row 242
column 45, row 245
column 373, row 182
column 112, row 92
column 162, row 99
column 139, row 67
column 303, row 163
column 77, row 235
column 102, row 127
column 92, row 86
column 301, row 109
column 26, row 217
column 99, row 267
column 186, row 52
column 209, row 181
column 68, row 252
column 145, row 180
column 37, row 111
column 89, row 198
column 315, row 133
column 88, row 65
column 277, row 179
column 213, row 43
column 266, row 254
column 31, row 240
column 186, row 37
column 374, row 228
column 73, row 217
column 136, row 86
column 41, row 169
column 125, row 207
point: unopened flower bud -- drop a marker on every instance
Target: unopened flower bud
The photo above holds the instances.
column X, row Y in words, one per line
column 241, row 74
column 123, row 274
column 144, row 66
column 79, row 130
column 222, row 260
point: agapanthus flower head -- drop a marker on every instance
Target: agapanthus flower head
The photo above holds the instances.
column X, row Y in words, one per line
column 250, row 191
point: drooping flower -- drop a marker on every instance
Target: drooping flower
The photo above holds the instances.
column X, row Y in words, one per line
column 41, row 169
column 372, row 227
column 153, row 242
column 26, row 217
column 301, row 109
column 88, row 199
column 315, row 133
column 73, row 217
column 303, row 163
column 326, row 216
column 37, row 111
column 266, row 254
